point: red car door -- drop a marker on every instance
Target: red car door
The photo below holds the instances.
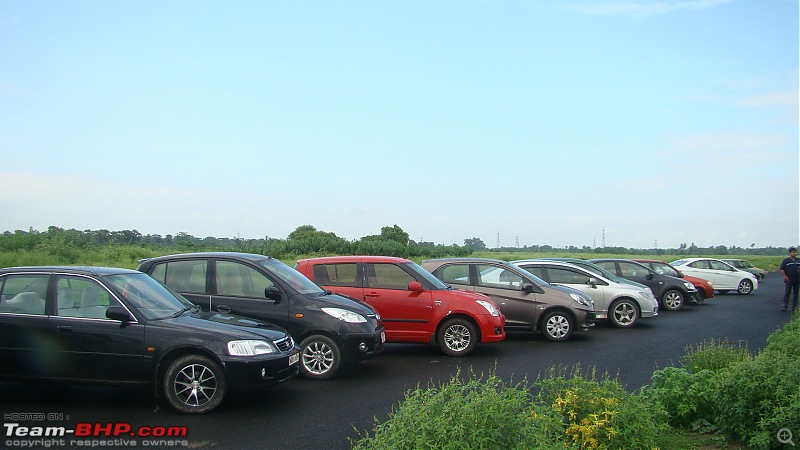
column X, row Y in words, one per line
column 405, row 309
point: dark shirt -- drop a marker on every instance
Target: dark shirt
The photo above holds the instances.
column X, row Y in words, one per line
column 791, row 267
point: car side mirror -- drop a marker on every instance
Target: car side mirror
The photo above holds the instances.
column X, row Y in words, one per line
column 273, row 293
column 527, row 287
column 650, row 276
column 415, row 286
column 592, row 282
column 118, row 313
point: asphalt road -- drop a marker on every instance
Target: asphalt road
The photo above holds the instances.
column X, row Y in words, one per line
column 303, row 414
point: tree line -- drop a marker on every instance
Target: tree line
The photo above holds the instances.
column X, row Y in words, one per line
column 307, row 240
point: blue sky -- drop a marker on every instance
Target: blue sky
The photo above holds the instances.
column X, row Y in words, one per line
column 557, row 122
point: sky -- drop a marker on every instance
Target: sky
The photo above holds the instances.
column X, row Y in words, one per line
column 625, row 123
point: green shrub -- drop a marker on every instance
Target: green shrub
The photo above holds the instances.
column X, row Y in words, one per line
column 714, row 355
column 567, row 413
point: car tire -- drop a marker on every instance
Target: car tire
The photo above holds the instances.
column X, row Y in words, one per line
column 673, row 300
column 320, row 357
column 745, row 287
column 557, row 326
column 457, row 337
column 194, row 384
column 624, row 313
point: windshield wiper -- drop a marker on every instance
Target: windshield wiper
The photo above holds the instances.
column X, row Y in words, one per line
column 179, row 313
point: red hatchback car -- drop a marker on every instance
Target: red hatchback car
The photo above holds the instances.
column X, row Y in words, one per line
column 414, row 305
column 704, row 288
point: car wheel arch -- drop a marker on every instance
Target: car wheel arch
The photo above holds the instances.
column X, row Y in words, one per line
column 545, row 312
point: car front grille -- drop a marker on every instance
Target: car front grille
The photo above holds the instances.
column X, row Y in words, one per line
column 284, row 344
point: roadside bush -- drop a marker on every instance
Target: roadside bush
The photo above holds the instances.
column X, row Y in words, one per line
column 747, row 397
column 567, row 412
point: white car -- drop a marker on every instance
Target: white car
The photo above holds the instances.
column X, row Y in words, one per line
column 621, row 303
column 723, row 276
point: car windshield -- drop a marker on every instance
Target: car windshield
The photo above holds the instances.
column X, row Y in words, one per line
column 148, row 296
column 666, row 269
column 437, row 283
column 291, row 277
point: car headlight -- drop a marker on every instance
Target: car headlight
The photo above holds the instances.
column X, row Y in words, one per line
column 250, row 348
column 489, row 307
column 582, row 300
column 647, row 294
column 345, row 315
column 688, row 286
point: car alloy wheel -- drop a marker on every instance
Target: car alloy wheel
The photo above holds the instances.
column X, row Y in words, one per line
column 457, row 337
column 745, row 287
column 624, row 313
column 320, row 357
column 557, row 326
column 194, row 384
column 672, row 300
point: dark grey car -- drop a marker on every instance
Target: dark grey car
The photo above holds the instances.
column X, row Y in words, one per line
column 528, row 303
column 672, row 292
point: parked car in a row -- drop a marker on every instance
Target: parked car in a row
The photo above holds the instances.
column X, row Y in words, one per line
column 724, row 276
column 528, row 302
column 743, row 264
column 672, row 292
column 622, row 304
column 120, row 326
column 413, row 304
column 705, row 288
column 330, row 329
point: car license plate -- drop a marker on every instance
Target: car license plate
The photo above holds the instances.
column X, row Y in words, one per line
column 294, row 359
column 383, row 337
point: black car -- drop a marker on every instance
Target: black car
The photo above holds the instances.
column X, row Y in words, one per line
column 120, row 326
column 331, row 328
column 671, row 292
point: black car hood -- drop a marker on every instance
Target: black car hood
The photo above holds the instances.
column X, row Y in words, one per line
column 231, row 325
column 341, row 301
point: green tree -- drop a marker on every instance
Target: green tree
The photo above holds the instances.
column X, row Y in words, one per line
column 394, row 233
column 475, row 244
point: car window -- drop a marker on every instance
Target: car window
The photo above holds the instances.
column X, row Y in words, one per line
column 719, row 265
column 387, row 276
column 632, row 270
column 608, row 265
column 343, row 274
column 664, row 269
column 239, row 280
column 567, row 276
column 534, row 270
column 455, row 274
column 187, row 276
column 703, row 264
column 23, row 294
column 82, row 297
column 498, row 277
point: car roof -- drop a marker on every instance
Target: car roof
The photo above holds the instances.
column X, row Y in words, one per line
column 357, row 258
column 82, row 270
column 236, row 255
column 466, row 259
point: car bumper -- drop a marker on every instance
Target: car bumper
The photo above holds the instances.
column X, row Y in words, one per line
column 260, row 371
column 492, row 329
column 361, row 346
column 587, row 321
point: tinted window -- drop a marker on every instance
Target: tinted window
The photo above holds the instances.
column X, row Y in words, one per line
column 632, row 270
column 387, row 276
column 664, row 269
column 183, row 276
column 455, row 274
column 23, row 294
column 238, row 280
column 538, row 271
column 343, row 274
column 566, row 276
column 498, row 277
column 608, row 265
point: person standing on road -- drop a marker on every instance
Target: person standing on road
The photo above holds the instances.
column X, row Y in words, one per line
column 790, row 268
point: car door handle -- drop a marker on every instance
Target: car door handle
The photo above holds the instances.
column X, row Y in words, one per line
column 371, row 294
column 64, row 328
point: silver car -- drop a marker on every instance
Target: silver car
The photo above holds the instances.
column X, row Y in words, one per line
column 622, row 304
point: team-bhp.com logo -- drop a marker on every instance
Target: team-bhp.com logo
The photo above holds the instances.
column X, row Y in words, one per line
column 93, row 434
